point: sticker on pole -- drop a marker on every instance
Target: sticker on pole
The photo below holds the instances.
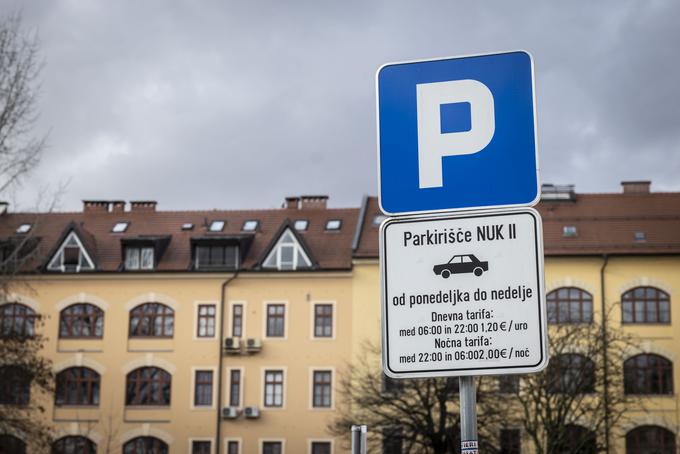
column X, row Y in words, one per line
column 463, row 294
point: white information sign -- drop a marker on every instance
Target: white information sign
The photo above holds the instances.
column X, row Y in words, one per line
column 463, row 294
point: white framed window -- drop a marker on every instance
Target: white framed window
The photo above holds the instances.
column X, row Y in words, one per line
column 71, row 256
column 139, row 258
column 272, row 446
column 120, row 227
column 232, row 445
column 322, row 388
column 203, row 388
column 301, row 225
column 201, row 446
column 333, row 224
column 234, row 392
column 216, row 226
column 206, row 320
column 323, row 320
column 274, row 388
column 24, row 228
column 250, row 225
column 275, row 317
column 287, row 254
column 320, row 446
column 237, row 319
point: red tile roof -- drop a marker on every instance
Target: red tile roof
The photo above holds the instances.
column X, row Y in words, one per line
column 605, row 223
column 331, row 249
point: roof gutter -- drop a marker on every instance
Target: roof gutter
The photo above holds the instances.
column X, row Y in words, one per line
column 223, row 298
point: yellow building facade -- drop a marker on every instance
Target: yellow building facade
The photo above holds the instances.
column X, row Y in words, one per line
column 228, row 331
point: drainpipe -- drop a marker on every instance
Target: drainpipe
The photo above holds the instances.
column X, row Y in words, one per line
column 605, row 358
column 218, row 430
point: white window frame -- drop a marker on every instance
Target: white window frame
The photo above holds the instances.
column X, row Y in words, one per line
column 217, row 321
column 312, row 313
column 230, row 314
column 297, row 250
column 320, row 440
column 191, row 442
column 310, row 392
column 217, row 222
column 192, row 391
column 60, row 252
column 286, row 318
column 241, row 392
column 237, row 440
column 263, row 372
column 262, row 441
column 140, row 249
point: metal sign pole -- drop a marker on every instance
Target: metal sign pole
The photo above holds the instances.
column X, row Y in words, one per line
column 359, row 439
column 468, row 416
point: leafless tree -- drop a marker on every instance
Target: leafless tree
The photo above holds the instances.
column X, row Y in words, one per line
column 26, row 377
column 572, row 406
column 419, row 415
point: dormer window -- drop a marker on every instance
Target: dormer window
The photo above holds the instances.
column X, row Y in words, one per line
column 24, row 228
column 139, row 258
column 333, row 224
column 216, row 256
column 71, row 256
column 569, row 231
column 301, row 225
column 216, row 226
column 287, row 254
column 120, row 227
column 251, row 225
column 143, row 252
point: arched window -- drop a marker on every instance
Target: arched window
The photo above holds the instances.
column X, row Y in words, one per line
column 77, row 386
column 16, row 320
column 571, row 373
column 648, row 374
column 570, row 305
column 650, row 440
column 152, row 320
column 81, row 320
column 646, row 305
column 11, row 445
column 145, row 445
column 74, row 445
column 148, row 386
column 15, row 386
column 573, row 439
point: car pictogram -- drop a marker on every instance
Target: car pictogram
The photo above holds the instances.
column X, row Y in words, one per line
column 459, row 264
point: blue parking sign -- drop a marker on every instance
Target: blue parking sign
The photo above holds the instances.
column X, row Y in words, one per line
column 457, row 134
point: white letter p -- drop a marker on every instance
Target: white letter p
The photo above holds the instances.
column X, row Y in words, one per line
column 433, row 145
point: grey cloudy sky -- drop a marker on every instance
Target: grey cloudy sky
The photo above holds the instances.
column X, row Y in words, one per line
column 226, row 104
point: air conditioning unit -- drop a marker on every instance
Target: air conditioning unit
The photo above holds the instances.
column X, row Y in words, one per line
column 252, row 412
column 230, row 413
column 232, row 344
column 253, row 345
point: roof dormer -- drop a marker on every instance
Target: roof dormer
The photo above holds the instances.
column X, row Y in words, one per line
column 287, row 251
column 75, row 252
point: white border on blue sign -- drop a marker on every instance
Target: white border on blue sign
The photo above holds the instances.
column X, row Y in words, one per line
column 448, row 210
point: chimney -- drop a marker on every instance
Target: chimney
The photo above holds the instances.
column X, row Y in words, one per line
column 143, row 205
column 311, row 202
column 118, row 206
column 96, row 206
column 636, row 187
column 292, row 203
